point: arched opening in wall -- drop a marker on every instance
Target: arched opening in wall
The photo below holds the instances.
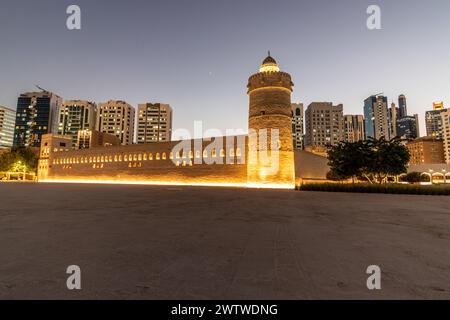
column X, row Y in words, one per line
column 171, row 155
column 164, row 157
column 150, row 156
column 145, row 157
column 158, row 156
column 135, row 157
column 263, row 113
column 222, row 153
column 438, row 177
column 213, row 153
column 447, row 177
column 232, row 152
column 205, row 154
column 197, row 154
column 238, row 152
column 140, row 157
column 191, row 154
column 425, row 177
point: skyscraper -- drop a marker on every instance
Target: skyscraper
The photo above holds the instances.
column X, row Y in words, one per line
column 7, row 121
column 446, row 133
column 376, row 117
column 402, row 109
column 154, row 123
column 408, row 127
column 37, row 114
column 117, row 118
column 324, row 124
column 393, row 114
column 76, row 115
column 433, row 121
column 297, row 125
column 354, row 128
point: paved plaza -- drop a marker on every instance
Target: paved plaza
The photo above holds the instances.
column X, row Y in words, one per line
column 150, row 242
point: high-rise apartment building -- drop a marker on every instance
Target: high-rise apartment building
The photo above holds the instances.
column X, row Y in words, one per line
column 297, row 125
column 426, row 150
column 154, row 123
column 446, row 133
column 117, row 118
column 402, row 108
column 376, row 117
column 324, row 124
column 354, row 128
column 433, row 121
column 7, row 122
column 37, row 114
column 76, row 115
column 393, row 115
column 408, row 127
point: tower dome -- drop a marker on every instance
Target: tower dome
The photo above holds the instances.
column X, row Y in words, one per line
column 269, row 65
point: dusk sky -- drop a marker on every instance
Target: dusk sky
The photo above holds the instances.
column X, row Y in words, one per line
column 197, row 55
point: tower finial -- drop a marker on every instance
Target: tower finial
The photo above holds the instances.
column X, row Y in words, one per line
column 268, row 52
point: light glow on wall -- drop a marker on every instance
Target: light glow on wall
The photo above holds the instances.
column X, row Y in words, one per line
column 173, row 183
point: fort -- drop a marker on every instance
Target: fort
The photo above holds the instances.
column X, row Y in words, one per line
column 265, row 158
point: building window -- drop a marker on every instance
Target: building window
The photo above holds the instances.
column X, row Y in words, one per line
column 145, row 157
column 197, row 154
column 232, row 152
column 150, row 156
column 157, row 156
column 205, row 154
column 222, row 153
column 238, row 152
column 213, row 153
column 125, row 157
column 164, row 157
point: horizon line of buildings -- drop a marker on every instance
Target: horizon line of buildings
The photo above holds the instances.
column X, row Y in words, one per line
column 315, row 129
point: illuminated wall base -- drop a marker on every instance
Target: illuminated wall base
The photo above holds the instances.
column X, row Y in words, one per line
column 174, row 183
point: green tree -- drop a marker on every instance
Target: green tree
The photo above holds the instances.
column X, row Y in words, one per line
column 348, row 160
column 372, row 159
column 388, row 157
column 19, row 160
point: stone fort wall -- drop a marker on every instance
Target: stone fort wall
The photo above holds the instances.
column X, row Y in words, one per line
column 219, row 161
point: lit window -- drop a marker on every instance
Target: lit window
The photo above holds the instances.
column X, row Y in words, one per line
column 238, row 152
column 197, row 154
column 157, row 156
column 125, row 157
column 232, row 152
column 205, row 154
column 164, row 156
column 222, row 153
column 135, row 157
column 145, row 157
column 150, row 156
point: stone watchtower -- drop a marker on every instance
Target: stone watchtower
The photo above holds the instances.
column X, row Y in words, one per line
column 270, row 155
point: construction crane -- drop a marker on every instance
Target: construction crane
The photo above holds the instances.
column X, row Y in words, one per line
column 42, row 89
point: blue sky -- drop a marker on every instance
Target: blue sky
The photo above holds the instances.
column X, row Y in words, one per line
column 198, row 54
